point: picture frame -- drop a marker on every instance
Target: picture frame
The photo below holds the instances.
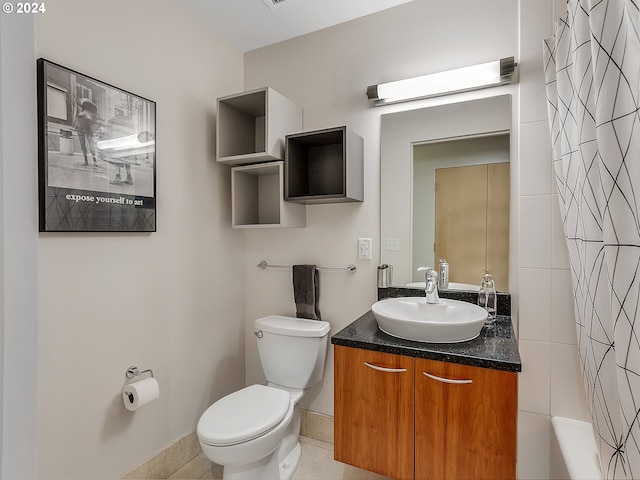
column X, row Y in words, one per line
column 96, row 154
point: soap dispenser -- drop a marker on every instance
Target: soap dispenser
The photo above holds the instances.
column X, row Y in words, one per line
column 487, row 297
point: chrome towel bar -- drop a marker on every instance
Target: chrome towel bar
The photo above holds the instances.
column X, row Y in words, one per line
column 351, row 268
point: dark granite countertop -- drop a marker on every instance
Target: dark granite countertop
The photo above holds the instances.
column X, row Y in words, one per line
column 494, row 348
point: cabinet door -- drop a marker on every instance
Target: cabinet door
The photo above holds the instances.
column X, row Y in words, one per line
column 465, row 429
column 374, row 402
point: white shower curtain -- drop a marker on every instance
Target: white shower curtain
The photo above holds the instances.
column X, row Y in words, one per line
column 592, row 70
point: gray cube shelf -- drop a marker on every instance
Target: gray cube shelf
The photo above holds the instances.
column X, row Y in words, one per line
column 324, row 166
column 251, row 126
column 257, row 199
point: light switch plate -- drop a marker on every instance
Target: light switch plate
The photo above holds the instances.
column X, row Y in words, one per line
column 393, row 244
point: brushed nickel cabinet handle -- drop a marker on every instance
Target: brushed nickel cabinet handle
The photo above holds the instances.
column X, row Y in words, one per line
column 446, row 380
column 385, row 369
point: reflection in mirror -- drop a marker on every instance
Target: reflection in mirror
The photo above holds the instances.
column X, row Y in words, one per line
column 445, row 191
column 461, row 208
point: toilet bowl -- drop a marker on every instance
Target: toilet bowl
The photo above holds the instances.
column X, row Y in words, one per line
column 243, row 430
column 253, row 433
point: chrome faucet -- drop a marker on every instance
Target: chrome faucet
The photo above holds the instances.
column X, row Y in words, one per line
column 430, row 284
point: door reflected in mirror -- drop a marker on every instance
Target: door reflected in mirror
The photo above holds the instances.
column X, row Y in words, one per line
column 464, row 185
column 445, row 191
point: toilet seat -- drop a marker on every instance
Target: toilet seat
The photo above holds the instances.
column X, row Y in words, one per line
column 243, row 415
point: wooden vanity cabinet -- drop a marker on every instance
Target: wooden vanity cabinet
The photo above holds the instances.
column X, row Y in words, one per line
column 465, row 422
column 458, row 422
column 374, row 409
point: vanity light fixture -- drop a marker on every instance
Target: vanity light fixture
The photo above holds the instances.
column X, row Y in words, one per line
column 475, row 77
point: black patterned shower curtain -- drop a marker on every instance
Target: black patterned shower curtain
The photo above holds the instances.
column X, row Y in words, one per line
column 592, row 73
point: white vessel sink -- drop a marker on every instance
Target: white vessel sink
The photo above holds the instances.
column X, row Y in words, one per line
column 412, row 318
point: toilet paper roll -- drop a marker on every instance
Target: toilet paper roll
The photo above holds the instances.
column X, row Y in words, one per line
column 138, row 394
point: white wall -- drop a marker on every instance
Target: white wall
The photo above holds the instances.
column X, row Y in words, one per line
column 327, row 73
column 18, row 248
column 171, row 301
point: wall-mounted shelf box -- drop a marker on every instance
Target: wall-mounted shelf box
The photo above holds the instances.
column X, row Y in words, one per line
column 324, row 166
column 251, row 126
column 257, row 199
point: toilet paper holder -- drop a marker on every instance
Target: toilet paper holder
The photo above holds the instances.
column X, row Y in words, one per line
column 133, row 371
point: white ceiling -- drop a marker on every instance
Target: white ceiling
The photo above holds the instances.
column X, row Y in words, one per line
column 251, row 24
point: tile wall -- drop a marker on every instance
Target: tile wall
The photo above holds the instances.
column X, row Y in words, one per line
column 550, row 382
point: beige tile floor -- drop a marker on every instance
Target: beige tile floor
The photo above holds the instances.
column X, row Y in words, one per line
column 317, row 464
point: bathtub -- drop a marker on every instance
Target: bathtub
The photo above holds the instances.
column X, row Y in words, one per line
column 574, row 455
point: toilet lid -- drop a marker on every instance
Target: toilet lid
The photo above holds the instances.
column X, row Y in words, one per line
column 243, row 415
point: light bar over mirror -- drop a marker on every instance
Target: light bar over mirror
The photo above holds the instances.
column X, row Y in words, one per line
column 484, row 75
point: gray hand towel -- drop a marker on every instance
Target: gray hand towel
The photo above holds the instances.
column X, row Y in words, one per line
column 306, row 291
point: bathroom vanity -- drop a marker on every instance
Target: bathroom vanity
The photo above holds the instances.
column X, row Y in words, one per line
column 408, row 409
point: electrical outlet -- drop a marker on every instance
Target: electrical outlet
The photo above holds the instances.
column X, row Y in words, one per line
column 393, row 244
column 364, row 249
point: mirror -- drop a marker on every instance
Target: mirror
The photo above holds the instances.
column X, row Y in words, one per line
column 464, row 149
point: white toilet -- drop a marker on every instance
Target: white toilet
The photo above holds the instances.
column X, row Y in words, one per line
column 253, row 433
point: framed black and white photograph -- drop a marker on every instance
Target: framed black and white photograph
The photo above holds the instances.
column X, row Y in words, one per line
column 97, row 155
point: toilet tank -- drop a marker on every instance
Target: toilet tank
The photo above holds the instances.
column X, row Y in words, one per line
column 292, row 350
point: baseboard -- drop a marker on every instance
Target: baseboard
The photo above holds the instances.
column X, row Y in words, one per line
column 168, row 461
column 317, row 426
